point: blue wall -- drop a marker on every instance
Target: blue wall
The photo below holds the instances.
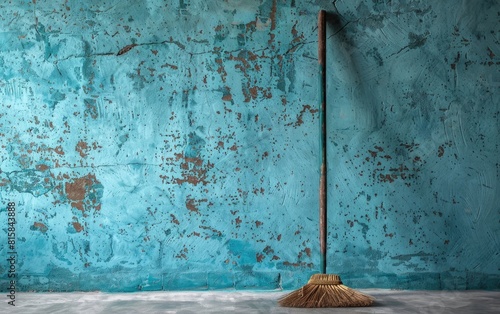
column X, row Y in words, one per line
column 172, row 145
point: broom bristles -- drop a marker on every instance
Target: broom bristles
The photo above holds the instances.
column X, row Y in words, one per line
column 325, row 291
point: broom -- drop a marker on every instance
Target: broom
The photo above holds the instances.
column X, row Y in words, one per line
column 324, row 290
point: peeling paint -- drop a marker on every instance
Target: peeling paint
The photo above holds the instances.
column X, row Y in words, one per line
column 84, row 193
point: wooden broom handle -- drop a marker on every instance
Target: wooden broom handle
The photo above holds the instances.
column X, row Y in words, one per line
column 323, row 169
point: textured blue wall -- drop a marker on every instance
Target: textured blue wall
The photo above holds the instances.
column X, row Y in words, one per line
column 174, row 144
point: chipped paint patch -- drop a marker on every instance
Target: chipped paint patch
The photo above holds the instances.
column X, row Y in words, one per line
column 84, row 193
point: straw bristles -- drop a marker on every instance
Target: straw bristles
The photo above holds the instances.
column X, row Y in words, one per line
column 325, row 291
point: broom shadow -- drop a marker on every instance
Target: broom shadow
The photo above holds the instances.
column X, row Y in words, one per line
column 365, row 121
column 340, row 62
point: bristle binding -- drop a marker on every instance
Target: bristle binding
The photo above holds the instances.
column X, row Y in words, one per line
column 318, row 294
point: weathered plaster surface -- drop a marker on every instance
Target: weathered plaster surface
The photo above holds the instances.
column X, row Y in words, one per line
column 174, row 144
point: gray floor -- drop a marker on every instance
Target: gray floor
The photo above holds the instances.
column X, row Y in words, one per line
column 387, row 301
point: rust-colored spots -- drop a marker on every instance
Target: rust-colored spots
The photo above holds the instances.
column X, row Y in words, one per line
column 300, row 116
column 58, row 150
column 42, row 167
column 284, row 101
column 168, row 65
column 195, row 234
column 377, row 150
column 238, row 221
column 182, row 254
column 40, row 227
column 387, row 177
column 260, row 257
column 256, row 191
column 126, row 49
column 82, row 148
column 174, row 219
column 211, row 232
column 307, row 251
column 258, row 223
column 491, row 54
column 253, row 92
column 400, row 172
column 84, row 193
column 440, row 151
column 191, row 205
column 268, row 250
column 78, row 227
column 227, row 97
column 221, row 70
column 384, row 172
column 194, row 170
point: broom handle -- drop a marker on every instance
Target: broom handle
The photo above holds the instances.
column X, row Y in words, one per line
column 322, row 115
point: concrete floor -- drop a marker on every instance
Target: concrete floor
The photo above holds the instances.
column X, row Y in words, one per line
column 388, row 301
